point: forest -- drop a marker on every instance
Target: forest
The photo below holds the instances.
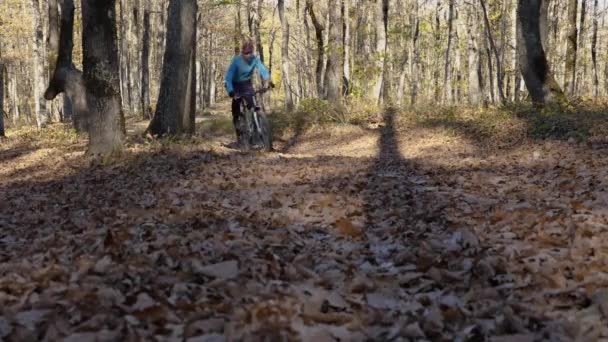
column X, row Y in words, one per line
column 298, row 170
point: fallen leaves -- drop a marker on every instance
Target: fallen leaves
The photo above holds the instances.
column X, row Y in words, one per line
column 215, row 246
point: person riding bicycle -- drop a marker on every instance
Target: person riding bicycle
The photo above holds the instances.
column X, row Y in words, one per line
column 238, row 82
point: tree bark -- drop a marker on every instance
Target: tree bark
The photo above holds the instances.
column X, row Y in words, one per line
column 531, row 31
column 581, row 74
column 346, row 44
column 2, row 133
column 381, row 48
column 145, row 64
column 334, row 58
column 101, row 76
column 594, row 50
column 175, row 110
column 65, row 77
column 446, row 76
column 320, row 46
column 499, row 74
column 289, row 104
column 571, row 49
column 40, row 111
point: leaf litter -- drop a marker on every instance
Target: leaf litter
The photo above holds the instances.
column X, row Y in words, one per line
column 421, row 237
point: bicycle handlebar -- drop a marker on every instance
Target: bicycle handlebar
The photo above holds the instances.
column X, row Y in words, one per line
column 256, row 92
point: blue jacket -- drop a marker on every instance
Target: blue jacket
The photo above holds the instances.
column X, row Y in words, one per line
column 241, row 71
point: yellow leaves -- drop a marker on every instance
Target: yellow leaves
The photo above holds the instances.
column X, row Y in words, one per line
column 346, row 228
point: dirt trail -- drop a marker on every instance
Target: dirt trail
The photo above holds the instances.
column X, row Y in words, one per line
column 349, row 234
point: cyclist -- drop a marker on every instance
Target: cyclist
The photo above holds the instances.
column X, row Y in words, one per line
column 238, row 82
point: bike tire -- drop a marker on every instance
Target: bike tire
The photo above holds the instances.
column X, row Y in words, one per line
column 265, row 132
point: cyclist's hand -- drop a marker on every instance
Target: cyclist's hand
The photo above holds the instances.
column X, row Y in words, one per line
column 231, row 94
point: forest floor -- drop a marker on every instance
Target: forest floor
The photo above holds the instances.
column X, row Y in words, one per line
column 389, row 232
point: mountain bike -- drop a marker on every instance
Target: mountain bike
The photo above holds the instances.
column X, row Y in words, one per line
column 254, row 124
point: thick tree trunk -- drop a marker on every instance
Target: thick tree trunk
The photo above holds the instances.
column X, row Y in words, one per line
column 334, row 58
column 531, row 30
column 175, row 111
column 289, row 104
column 101, row 76
column 65, row 77
column 40, row 111
column 475, row 96
column 381, row 20
column 2, row 134
column 320, row 46
column 145, row 64
column 571, row 50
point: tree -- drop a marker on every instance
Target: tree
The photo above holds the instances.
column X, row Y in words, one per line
column 145, row 64
column 38, row 65
column 381, row 17
column 571, row 49
column 285, row 56
column 95, row 93
column 499, row 74
column 319, row 27
column 334, row 57
column 176, row 104
column 2, row 134
column 531, row 31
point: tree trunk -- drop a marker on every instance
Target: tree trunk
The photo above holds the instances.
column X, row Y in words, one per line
column 65, row 77
column 176, row 102
column 134, row 51
column 581, row 74
column 145, row 64
column 531, row 31
column 124, row 57
column 415, row 55
column 499, row 74
column 320, row 46
column 2, row 134
column 446, row 76
column 571, row 50
column 334, row 58
column 381, row 48
column 596, row 92
column 101, row 77
column 285, row 56
column 40, row 111
column 346, row 44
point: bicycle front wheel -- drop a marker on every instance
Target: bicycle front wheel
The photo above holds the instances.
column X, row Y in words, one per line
column 265, row 131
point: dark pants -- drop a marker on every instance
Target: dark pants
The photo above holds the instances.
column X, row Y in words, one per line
column 244, row 92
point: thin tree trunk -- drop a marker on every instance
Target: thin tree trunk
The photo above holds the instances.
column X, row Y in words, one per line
column 320, row 46
column 581, row 72
column 594, row 50
column 145, row 64
column 134, row 53
column 289, row 104
column 346, row 44
column 499, row 74
column 415, row 55
column 571, row 50
column 381, row 20
column 334, row 58
column 176, row 107
column 446, row 76
column 40, row 111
